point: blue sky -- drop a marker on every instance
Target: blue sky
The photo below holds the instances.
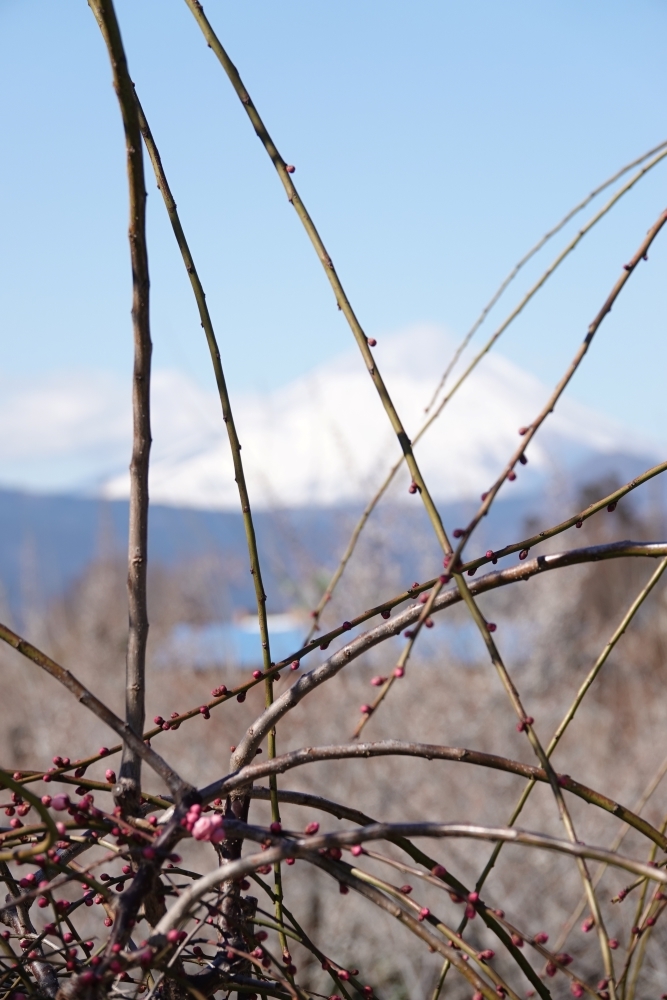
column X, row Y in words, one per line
column 434, row 143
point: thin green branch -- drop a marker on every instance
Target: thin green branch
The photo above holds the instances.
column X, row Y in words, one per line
column 341, row 298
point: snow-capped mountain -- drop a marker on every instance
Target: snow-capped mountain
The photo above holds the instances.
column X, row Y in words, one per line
column 322, row 440
column 325, row 438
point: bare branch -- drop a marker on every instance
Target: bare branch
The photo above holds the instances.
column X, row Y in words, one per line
column 128, row 790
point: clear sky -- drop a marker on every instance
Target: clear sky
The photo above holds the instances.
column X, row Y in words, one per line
column 434, row 143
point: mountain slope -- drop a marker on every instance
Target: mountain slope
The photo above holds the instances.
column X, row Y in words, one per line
column 324, row 439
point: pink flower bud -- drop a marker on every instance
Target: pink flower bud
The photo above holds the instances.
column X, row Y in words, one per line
column 60, row 802
column 412, row 488
column 61, row 828
column 372, row 341
column 110, row 776
column 406, row 889
column 149, row 853
column 378, row 681
column 438, row 871
column 158, row 720
column 458, row 532
column 491, row 626
column 294, row 665
column 473, row 897
column 588, row 925
column 612, row 507
column 576, row 989
column 489, row 553
column 347, row 626
column 202, row 828
column 487, row 954
column 312, row 828
column 398, row 672
column 523, row 430
column 366, row 709
column 471, row 912
column 578, row 525
column 46, row 800
column 386, row 614
column 290, row 168
column 275, row 827
column 541, row 938
column 203, row 710
column 257, row 674
column 423, row 913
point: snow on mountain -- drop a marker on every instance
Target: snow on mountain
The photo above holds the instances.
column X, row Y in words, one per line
column 325, row 438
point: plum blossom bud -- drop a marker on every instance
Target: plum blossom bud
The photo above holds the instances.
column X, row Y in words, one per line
column 290, row 168
column 458, row 532
column 541, row 938
column 491, row 626
column 588, row 925
column 486, row 955
column 312, row 828
column 356, row 850
column 489, row 554
column 438, row 871
column 110, row 776
column 473, row 897
column 46, row 800
column 511, row 476
column 406, row 889
column 471, row 912
column 275, row 827
column 60, row 802
column 378, row 681
column 372, row 341
column 294, row 665
column 412, row 488
column 517, row 940
column 386, row 613
column 576, row 989
column 578, row 525
column 612, row 507
column 423, row 913
column 366, row 709
column 257, row 674
column 398, row 671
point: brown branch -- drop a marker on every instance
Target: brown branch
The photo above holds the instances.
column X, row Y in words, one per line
column 128, row 789
column 429, row 751
column 550, row 405
column 176, row 785
column 254, row 735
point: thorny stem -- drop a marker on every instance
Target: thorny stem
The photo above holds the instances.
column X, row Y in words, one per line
column 128, row 790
